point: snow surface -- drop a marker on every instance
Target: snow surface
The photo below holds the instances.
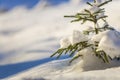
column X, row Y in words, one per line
column 29, row 37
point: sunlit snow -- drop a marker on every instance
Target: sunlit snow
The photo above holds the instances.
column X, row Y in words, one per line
column 29, row 37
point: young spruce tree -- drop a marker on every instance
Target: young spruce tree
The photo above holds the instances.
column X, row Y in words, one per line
column 94, row 14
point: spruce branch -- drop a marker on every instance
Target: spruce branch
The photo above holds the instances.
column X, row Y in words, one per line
column 71, row 49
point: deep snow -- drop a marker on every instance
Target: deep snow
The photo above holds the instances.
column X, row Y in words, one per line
column 29, row 37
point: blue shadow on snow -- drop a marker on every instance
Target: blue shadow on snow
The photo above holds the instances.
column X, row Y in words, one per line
column 12, row 69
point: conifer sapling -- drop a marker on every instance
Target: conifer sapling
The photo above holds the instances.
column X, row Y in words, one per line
column 79, row 40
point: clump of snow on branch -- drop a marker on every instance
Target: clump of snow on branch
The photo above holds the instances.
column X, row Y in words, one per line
column 76, row 37
column 110, row 43
column 65, row 42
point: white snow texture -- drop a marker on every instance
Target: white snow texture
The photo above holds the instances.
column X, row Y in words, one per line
column 29, row 37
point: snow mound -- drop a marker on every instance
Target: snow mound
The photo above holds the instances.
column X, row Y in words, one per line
column 61, row 69
column 109, row 41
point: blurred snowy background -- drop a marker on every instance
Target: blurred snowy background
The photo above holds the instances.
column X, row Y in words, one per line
column 30, row 30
